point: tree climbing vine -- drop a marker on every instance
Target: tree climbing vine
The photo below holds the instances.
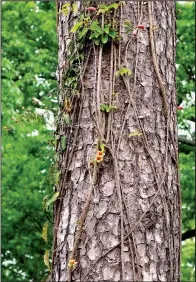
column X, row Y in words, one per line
column 101, row 26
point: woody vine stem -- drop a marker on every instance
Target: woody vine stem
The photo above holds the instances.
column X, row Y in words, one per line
column 98, row 26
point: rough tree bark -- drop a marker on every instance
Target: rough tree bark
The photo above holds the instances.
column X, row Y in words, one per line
column 134, row 212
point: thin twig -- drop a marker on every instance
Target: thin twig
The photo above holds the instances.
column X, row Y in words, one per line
column 110, row 93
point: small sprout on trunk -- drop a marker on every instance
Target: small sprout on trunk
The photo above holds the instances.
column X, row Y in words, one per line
column 72, row 263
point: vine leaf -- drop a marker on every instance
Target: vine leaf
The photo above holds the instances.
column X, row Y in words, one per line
column 45, row 231
column 95, row 26
column 128, row 26
column 114, row 6
column 49, row 199
column 83, row 32
column 107, row 28
column 102, row 146
column 56, row 177
column 107, row 108
column 63, row 143
column 76, row 26
column 96, row 42
column 104, row 38
column 46, row 259
column 123, row 71
column 112, row 33
column 65, row 9
column 66, row 119
column 74, row 8
column 135, row 133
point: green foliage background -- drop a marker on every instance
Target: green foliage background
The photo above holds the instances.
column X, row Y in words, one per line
column 29, row 60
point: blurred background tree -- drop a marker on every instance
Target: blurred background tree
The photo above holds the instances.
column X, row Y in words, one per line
column 29, row 59
column 29, row 102
column 185, row 79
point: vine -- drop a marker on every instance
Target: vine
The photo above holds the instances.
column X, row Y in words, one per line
column 97, row 26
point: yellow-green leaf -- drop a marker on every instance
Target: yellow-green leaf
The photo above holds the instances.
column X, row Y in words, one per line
column 49, row 199
column 66, row 118
column 56, row 177
column 76, row 26
column 117, row 73
column 135, row 133
column 46, row 259
column 102, row 146
column 66, row 5
column 74, row 8
column 45, row 231
column 65, row 9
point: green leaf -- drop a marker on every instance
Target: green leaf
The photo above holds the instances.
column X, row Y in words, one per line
column 63, row 142
column 104, row 38
column 65, row 6
column 46, row 259
column 128, row 26
column 127, row 23
column 124, row 71
column 45, row 231
column 110, row 108
column 75, row 8
column 107, row 108
column 65, row 9
column 113, row 6
column 67, row 119
column 98, row 33
column 83, row 32
column 94, row 25
column 103, row 107
column 102, row 9
column 102, row 146
column 103, row 6
column 112, row 33
column 107, row 29
column 56, row 177
column 76, row 26
column 97, row 42
column 117, row 73
column 92, row 36
column 49, row 199
column 135, row 133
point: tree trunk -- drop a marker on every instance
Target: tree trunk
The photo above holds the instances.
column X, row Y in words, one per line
column 119, row 219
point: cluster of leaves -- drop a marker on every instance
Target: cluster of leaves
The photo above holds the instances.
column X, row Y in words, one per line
column 185, row 87
column 29, row 52
column 107, row 108
column 96, row 33
column 103, row 8
column 99, row 34
column 185, row 45
column 93, row 28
